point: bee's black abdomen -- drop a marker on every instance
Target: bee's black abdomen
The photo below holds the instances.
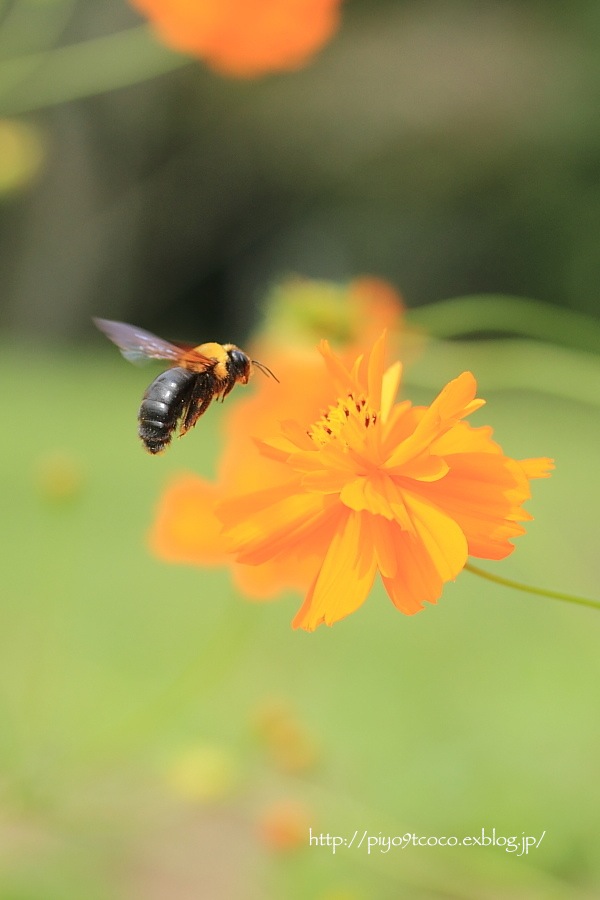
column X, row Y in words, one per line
column 163, row 405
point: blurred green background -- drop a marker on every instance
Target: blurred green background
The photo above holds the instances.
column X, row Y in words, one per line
column 453, row 149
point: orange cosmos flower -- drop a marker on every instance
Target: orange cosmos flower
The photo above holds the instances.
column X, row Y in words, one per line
column 374, row 486
column 186, row 529
column 244, row 38
column 371, row 486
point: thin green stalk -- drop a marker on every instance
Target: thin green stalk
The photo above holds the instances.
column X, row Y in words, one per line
column 53, row 76
column 542, row 592
column 511, row 364
column 500, row 313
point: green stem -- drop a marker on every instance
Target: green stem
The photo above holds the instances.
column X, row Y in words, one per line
column 542, row 592
column 499, row 313
column 511, row 364
column 49, row 77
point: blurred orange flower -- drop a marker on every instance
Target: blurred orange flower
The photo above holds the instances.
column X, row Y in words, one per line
column 299, row 312
column 284, row 825
column 244, row 38
column 372, row 486
column 290, row 745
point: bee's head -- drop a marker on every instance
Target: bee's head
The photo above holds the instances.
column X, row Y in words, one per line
column 239, row 364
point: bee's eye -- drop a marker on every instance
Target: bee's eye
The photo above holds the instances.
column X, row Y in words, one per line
column 239, row 362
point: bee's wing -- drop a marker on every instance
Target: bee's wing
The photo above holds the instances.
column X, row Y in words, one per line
column 138, row 345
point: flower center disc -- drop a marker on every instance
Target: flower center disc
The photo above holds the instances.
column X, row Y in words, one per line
column 344, row 421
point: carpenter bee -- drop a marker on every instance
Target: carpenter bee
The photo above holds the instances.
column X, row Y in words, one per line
column 179, row 396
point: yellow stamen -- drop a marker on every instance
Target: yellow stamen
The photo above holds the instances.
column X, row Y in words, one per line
column 340, row 421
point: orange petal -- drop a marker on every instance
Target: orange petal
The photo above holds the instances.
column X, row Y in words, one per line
column 375, row 367
column 268, row 580
column 541, row 467
column 441, row 537
column 416, row 579
column 328, row 481
column 261, row 525
column 464, row 438
column 425, row 467
column 400, row 424
column 483, row 493
column 379, row 495
column 185, row 528
column 294, row 565
column 345, row 577
column 383, row 535
column 456, row 400
column 277, row 448
column 342, row 378
column 389, row 389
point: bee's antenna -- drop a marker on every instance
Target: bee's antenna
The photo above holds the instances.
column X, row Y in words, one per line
column 264, row 369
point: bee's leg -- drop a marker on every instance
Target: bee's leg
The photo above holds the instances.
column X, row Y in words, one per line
column 199, row 402
column 196, row 409
column 229, row 386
